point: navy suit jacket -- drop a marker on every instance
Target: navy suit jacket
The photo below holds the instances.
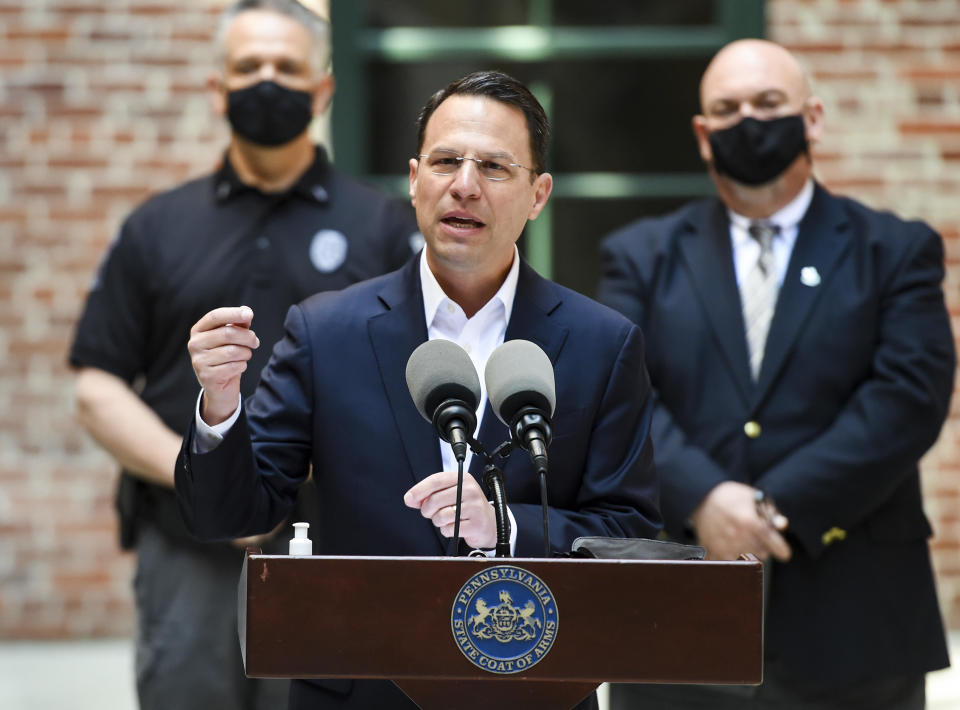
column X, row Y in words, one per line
column 853, row 389
column 334, row 396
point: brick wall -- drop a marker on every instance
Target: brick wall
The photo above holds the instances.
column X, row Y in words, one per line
column 889, row 74
column 101, row 103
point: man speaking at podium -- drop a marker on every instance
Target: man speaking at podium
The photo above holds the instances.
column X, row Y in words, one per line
column 334, row 395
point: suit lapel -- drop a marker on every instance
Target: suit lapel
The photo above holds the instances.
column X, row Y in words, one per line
column 819, row 246
column 400, row 328
column 530, row 320
column 535, row 301
column 394, row 334
column 705, row 246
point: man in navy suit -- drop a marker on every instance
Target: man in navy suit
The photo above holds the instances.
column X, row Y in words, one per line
column 334, row 395
column 802, row 363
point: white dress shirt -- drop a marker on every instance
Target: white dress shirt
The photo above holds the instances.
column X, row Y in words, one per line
column 479, row 335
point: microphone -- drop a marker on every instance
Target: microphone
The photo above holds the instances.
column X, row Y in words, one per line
column 522, row 392
column 446, row 390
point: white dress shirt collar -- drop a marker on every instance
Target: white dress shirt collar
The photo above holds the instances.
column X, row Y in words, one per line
column 434, row 297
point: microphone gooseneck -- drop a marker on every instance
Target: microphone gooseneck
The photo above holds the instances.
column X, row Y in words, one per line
column 493, row 479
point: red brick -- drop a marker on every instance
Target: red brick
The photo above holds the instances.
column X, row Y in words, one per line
column 13, row 214
column 198, row 36
column 930, row 20
column 929, row 128
column 87, row 213
column 930, row 97
column 118, row 36
column 130, row 193
column 154, row 10
column 811, row 47
column 11, row 60
column 938, row 73
column 108, row 87
column 46, row 34
column 173, row 63
column 858, row 75
column 78, row 163
column 57, row 109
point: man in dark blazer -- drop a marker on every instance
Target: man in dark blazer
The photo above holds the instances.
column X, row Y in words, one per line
column 797, row 441
column 334, row 395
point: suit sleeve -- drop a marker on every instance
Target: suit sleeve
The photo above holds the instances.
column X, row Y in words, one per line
column 248, row 484
column 686, row 471
column 617, row 495
column 857, row 463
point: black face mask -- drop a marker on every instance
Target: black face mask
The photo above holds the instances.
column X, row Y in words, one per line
column 755, row 152
column 269, row 114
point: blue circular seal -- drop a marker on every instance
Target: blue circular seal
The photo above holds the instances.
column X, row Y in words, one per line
column 504, row 619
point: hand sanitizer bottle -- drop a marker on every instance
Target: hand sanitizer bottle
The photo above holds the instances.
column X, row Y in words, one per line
column 300, row 544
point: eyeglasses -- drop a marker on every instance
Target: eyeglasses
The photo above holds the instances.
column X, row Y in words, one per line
column 443, row 162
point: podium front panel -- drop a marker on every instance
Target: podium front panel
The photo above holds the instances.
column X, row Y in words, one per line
column 389, row 617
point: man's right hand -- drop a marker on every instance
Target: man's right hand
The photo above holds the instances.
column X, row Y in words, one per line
column 220, row 345
column 728, row 524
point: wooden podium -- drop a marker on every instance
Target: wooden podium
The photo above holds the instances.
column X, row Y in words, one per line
column 396, row 618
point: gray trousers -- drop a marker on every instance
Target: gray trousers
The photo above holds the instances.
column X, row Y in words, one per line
column 187, row 651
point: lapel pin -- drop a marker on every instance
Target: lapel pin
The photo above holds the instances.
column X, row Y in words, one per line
column 809, row 276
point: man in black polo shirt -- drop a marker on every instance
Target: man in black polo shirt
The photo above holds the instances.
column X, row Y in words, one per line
column 272, row 226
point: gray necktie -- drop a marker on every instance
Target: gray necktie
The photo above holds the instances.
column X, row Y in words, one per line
column 758, row 292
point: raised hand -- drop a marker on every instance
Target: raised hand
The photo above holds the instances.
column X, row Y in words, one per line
column 220, row 345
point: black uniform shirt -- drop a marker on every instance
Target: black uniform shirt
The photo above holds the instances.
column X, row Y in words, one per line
column 216, row 242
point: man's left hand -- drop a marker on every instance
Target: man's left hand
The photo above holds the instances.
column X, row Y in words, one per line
column 436, row 497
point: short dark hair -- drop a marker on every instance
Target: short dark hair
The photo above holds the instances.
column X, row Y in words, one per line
column 505, row 89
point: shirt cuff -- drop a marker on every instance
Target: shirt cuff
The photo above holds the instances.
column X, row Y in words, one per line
column 208, row 437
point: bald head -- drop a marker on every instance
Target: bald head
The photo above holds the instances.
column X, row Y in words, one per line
column 753, row 68
column 760, row 164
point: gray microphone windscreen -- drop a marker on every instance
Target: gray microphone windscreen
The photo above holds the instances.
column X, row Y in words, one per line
column 519, row 374
column 439, row 370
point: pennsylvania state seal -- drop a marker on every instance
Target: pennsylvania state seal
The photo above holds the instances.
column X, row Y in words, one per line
column 504, row 619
